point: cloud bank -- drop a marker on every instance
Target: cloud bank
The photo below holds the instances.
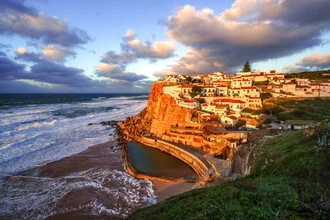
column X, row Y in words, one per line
column 250, row 30
column 18, row 19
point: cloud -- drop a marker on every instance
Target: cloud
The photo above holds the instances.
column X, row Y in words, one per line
column 58, row 54
column 295, row 69
column 42, row 70
column 48, row 52
column 157, row 50
column 5, row 46
column 56, row 73
column 23, row 54
column 130, row 34
column 133, row 49
column 115, row 72
column 121, row 59
column 10, row 70
column 310, row 62
column 16, row 18
column 250, row 30
column 316, row 60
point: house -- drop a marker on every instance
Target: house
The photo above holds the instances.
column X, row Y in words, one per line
column 222, row 91
column 233, row 104
column 253, row 102
column 229, row 120
column 185, row 89
column 208, row 91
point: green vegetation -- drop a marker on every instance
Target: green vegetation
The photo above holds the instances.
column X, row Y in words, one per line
column 188, row 79
column 265, row 95
column 308, row 109
column 201, row 100
column 289, row 180
column 315, row 75
column 195, row 90
column 262, row 83
column 247, row 67
column 252, row 111
column 240, row 123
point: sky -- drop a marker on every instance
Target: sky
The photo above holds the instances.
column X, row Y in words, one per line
column 123, row 46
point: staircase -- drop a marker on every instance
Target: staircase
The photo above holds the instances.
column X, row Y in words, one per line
column 236, row 166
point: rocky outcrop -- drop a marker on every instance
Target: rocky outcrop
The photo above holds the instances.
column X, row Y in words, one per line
column 161, row 113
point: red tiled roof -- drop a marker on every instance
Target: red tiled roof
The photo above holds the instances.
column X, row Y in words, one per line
column 186, row 86
column 232, row 117
column 254, row 97
column 190, row 101
column 229, row 100
column 249, row 87
column 221, row 106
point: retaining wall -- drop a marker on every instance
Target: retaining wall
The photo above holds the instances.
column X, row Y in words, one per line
column 194, row 162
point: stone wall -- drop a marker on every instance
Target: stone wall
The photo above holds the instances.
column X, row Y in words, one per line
column 194, row 162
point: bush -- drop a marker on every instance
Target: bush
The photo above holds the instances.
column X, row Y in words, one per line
column 240, row 123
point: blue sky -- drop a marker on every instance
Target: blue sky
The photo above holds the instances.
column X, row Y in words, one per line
column 123, row 46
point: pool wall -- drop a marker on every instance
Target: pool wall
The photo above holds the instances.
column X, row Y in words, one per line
column 194, row 162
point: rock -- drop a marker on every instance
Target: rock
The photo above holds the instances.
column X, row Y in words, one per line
column 160, row 114
column 89, row 124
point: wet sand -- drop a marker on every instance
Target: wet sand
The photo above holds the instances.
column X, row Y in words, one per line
column 102, row 155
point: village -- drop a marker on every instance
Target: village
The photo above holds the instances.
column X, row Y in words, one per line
column 208, row 119
column 225, row 98
column 229, row 105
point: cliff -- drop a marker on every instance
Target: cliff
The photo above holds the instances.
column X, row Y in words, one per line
column 160, row 114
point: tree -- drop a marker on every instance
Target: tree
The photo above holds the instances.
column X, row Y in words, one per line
column 188, row 79
column 195, row 90
column 240, row 123
column 265, row 95
column 247, row 67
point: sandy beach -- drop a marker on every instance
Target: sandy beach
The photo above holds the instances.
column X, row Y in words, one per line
column 165, row 190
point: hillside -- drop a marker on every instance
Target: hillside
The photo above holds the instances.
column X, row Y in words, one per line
column 313, row 75
column 289, row 179
column 315, row 109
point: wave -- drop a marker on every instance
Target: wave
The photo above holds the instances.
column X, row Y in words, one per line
column 98, row 191
column 33, row 135
column 73, row 112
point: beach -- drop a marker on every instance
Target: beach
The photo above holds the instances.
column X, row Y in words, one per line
column 92, row 199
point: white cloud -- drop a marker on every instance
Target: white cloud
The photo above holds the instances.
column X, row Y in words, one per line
column 21, row 50
column 251, row 30
column 56, row 53
column 316, row 60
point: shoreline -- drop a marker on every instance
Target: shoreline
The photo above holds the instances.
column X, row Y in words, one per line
column 98, row 156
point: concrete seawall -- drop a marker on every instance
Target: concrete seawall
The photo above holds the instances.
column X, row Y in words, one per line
column 194, row 162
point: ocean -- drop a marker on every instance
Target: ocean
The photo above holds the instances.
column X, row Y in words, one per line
column 37, row 131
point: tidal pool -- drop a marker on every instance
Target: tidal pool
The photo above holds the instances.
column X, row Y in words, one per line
column 151, row 161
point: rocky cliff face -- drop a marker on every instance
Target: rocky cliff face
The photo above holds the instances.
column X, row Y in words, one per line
column 160, row 114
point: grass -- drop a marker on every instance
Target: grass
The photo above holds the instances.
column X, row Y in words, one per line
column 289, row 179
column 307, row 109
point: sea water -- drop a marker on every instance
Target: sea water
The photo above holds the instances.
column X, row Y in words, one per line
column 36, row 129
